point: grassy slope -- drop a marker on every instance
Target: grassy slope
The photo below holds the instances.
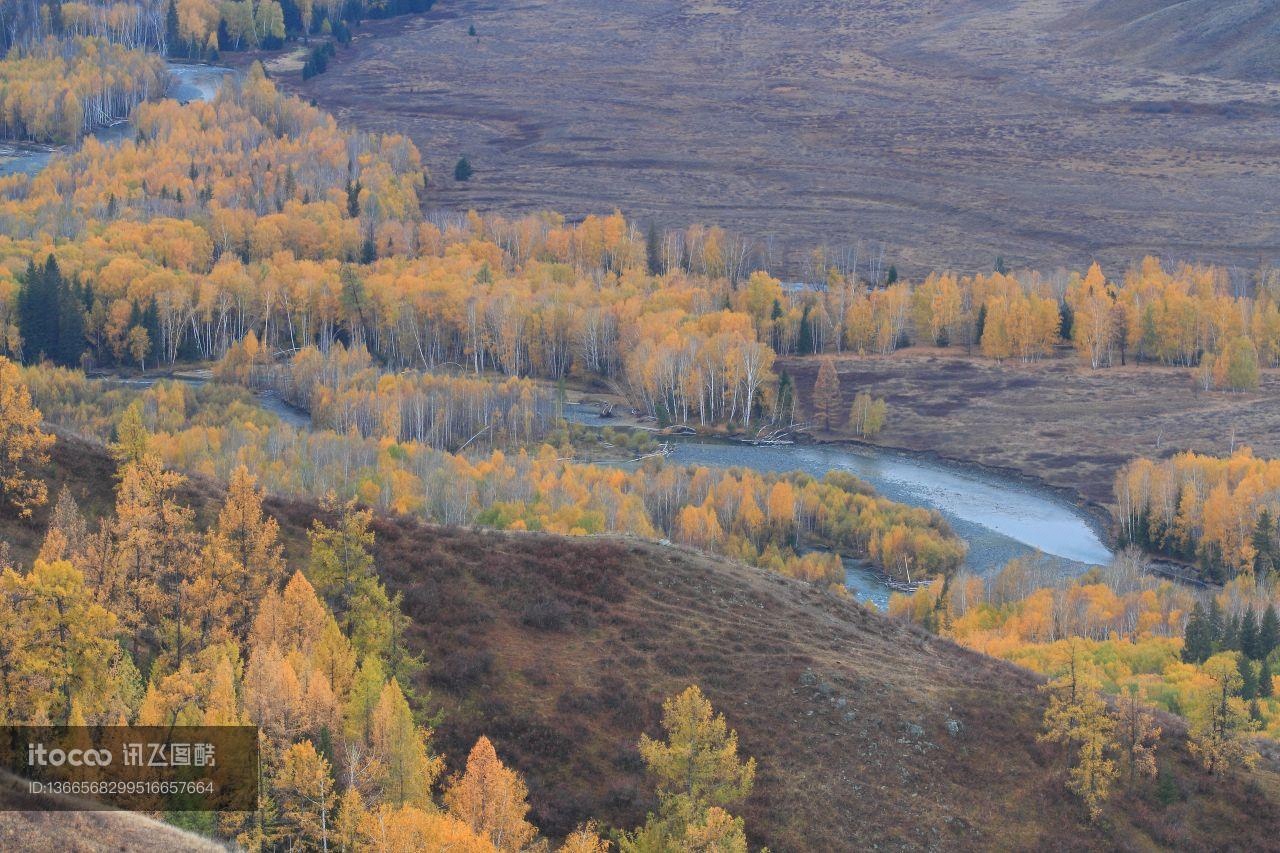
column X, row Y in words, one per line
column 89, row 832
column 1231, row 38
column 1056, row 419
column 562, row 650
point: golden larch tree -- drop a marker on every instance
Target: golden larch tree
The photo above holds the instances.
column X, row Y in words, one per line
column 304, row 794
column 1220, row 723
column 1137, row 734
column 22, row 445
column 826, row 396
column 490, row 798
column 1077, row 718
column 408, row 768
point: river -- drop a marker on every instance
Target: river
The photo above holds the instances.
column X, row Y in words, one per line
column 999, row 517
column 187, row 83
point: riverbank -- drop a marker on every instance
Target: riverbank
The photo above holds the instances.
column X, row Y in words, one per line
column 190, row 81
column 1096, row 513
column 1056, row 420
column 1001, row 513
column 1099, row 513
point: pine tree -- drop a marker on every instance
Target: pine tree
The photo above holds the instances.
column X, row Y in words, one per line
column 1268, row 632
column 132, row 440
column 1248, row 678
column 1197, row 643
column 462, row 170
column 1231, row 634
column 1263, row 544
column 155, row 548
column 67, row 537
column 699, row 759
column 353, row 199
column 341, row 568
column 804, row 341
column 1216, row 624
column 1077, row 718
column 172, row 30
column 351, row 814
column 71, row 340
column 1249, row 635
column 1266, row 686
column 698, row 775
column 59, row 645
column 366, row 692
column 38, row 313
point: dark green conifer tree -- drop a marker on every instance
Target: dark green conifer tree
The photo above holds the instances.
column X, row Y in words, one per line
column 1197, row 643
column 1268, row 631
column 1249, row 635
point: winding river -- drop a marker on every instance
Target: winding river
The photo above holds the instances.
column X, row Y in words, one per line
column 186, row 83
column 999, row 517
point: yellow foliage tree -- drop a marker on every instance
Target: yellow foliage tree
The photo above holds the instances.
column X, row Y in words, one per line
column 1220, row 722
column 22, row 445
column 490, row 799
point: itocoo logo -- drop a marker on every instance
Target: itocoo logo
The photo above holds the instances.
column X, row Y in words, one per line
column 38, row 755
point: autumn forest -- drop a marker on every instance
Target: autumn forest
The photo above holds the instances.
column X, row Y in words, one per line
column 251, row 312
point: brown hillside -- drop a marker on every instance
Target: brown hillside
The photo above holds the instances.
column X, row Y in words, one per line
column 867, row 731
column 1228, row 38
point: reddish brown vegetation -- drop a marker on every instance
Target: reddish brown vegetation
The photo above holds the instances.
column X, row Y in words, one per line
column 561, row 650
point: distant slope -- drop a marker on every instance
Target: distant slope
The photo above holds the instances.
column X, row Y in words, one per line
column 1227, row 38
column 867, row 731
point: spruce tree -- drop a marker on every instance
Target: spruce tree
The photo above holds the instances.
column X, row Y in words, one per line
column 353, row 199
column 653, row 250
column 1215, row 623
column 1197, row 643
column 151, row 323
column 1248, row 679
column 1249, row 635
column 172, row 31
column 804, row 344
column 1269, row 631
column 71, row 341
column 1265, row 686
column 1263, row 535
column 38, row 311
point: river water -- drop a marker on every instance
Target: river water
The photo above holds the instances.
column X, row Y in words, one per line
column 187, row 83
column 999, row 517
